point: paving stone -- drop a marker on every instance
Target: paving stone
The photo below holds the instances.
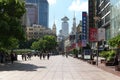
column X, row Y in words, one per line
column 57, row 68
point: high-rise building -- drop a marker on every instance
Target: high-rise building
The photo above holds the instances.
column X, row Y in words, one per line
column 99, row 20
column 73, row 32
column 65, row 27
column 104, row 11
column 32, row 13
column 74, row 25
column 91, row 13
column 115, row 17
column 43, row 11
column 91, row 22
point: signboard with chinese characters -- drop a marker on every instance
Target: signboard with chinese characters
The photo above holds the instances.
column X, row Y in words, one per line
column 84, row 29
column 93, row 34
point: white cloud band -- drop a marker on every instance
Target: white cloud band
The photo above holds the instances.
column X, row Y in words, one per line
column 52, row 2
column 79, row 6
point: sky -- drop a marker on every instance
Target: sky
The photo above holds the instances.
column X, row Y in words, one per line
column 60, row 8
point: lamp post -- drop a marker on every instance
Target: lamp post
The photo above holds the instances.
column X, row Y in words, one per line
column 97, row 18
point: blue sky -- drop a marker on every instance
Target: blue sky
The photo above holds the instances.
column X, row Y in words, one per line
column 60, row 8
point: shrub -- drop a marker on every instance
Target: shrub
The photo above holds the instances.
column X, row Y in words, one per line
column 75, row 51
column 108, row 55
column 104, row 54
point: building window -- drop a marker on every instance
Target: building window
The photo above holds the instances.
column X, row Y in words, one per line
column 30, row 29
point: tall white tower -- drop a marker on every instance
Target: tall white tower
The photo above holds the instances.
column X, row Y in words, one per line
column 65, row 27
column 74, row 25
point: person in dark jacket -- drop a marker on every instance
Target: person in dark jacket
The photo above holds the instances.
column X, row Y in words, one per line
column 12, row 55
column 116, row 60
column 48, row 56
column 43, row 55
column 40, row 55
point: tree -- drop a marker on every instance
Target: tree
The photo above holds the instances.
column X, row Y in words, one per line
column 35, row 45
column 26, row 44
column 51, row 42
column 108, row 55
column 115, row 42
column 11, row 30
column 47, row 43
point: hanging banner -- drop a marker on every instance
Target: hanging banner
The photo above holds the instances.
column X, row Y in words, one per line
column 84, row 43
column 93, row 34
column 101, row 34
column 84, row 29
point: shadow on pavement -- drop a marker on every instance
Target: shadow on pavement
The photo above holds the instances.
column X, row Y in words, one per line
column 19, row 67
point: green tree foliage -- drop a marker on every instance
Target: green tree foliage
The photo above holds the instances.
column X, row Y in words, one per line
column 50, row 42
column 75, row 51
column 26, row 44
column 114, row 42
column 35, row 45
column 47, row 43
column 11, row 30
column 108, row 55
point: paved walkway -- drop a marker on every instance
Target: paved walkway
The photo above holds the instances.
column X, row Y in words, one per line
column 110, row 69
column 57, row 68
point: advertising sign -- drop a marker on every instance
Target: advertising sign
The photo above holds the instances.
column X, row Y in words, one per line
column 101, row 34
column 87, row 53
column 93, row 35
column 84, row 43
column 84, row 28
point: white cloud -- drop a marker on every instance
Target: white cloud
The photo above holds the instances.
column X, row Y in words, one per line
column 52, row 2
column 78, row 5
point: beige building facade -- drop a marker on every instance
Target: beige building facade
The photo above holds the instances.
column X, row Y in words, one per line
column 38, row 31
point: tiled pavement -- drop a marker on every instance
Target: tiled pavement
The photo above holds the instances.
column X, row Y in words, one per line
column 110, row 69
column 57, row 68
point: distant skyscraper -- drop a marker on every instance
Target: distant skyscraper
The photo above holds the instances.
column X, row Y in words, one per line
column 43, row 11
column 74, row 26
column 54, row 28
column 65, row 27
column 32, row 13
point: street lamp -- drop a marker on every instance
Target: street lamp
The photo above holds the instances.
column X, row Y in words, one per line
column 97, row 18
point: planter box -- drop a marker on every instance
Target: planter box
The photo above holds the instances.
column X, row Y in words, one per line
column 117, row 68
column 102, row 61
column 92, row 62
column 109, row 64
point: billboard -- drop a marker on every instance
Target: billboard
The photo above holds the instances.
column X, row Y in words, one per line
column 93, row 34
column 101, row 34
column 84, row 29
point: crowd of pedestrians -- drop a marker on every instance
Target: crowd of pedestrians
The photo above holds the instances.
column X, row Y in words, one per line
column 5, row 57
column 12, row 56
column 27, row 56
column 44, row 55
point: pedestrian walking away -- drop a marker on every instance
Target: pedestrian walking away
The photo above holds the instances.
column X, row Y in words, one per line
column 48, row 55
column 40, row 55
column 43, row 55
column 12, row 55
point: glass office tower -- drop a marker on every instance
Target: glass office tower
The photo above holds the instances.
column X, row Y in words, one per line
column 104, row 12
column 43, row 11
column 115, row 17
